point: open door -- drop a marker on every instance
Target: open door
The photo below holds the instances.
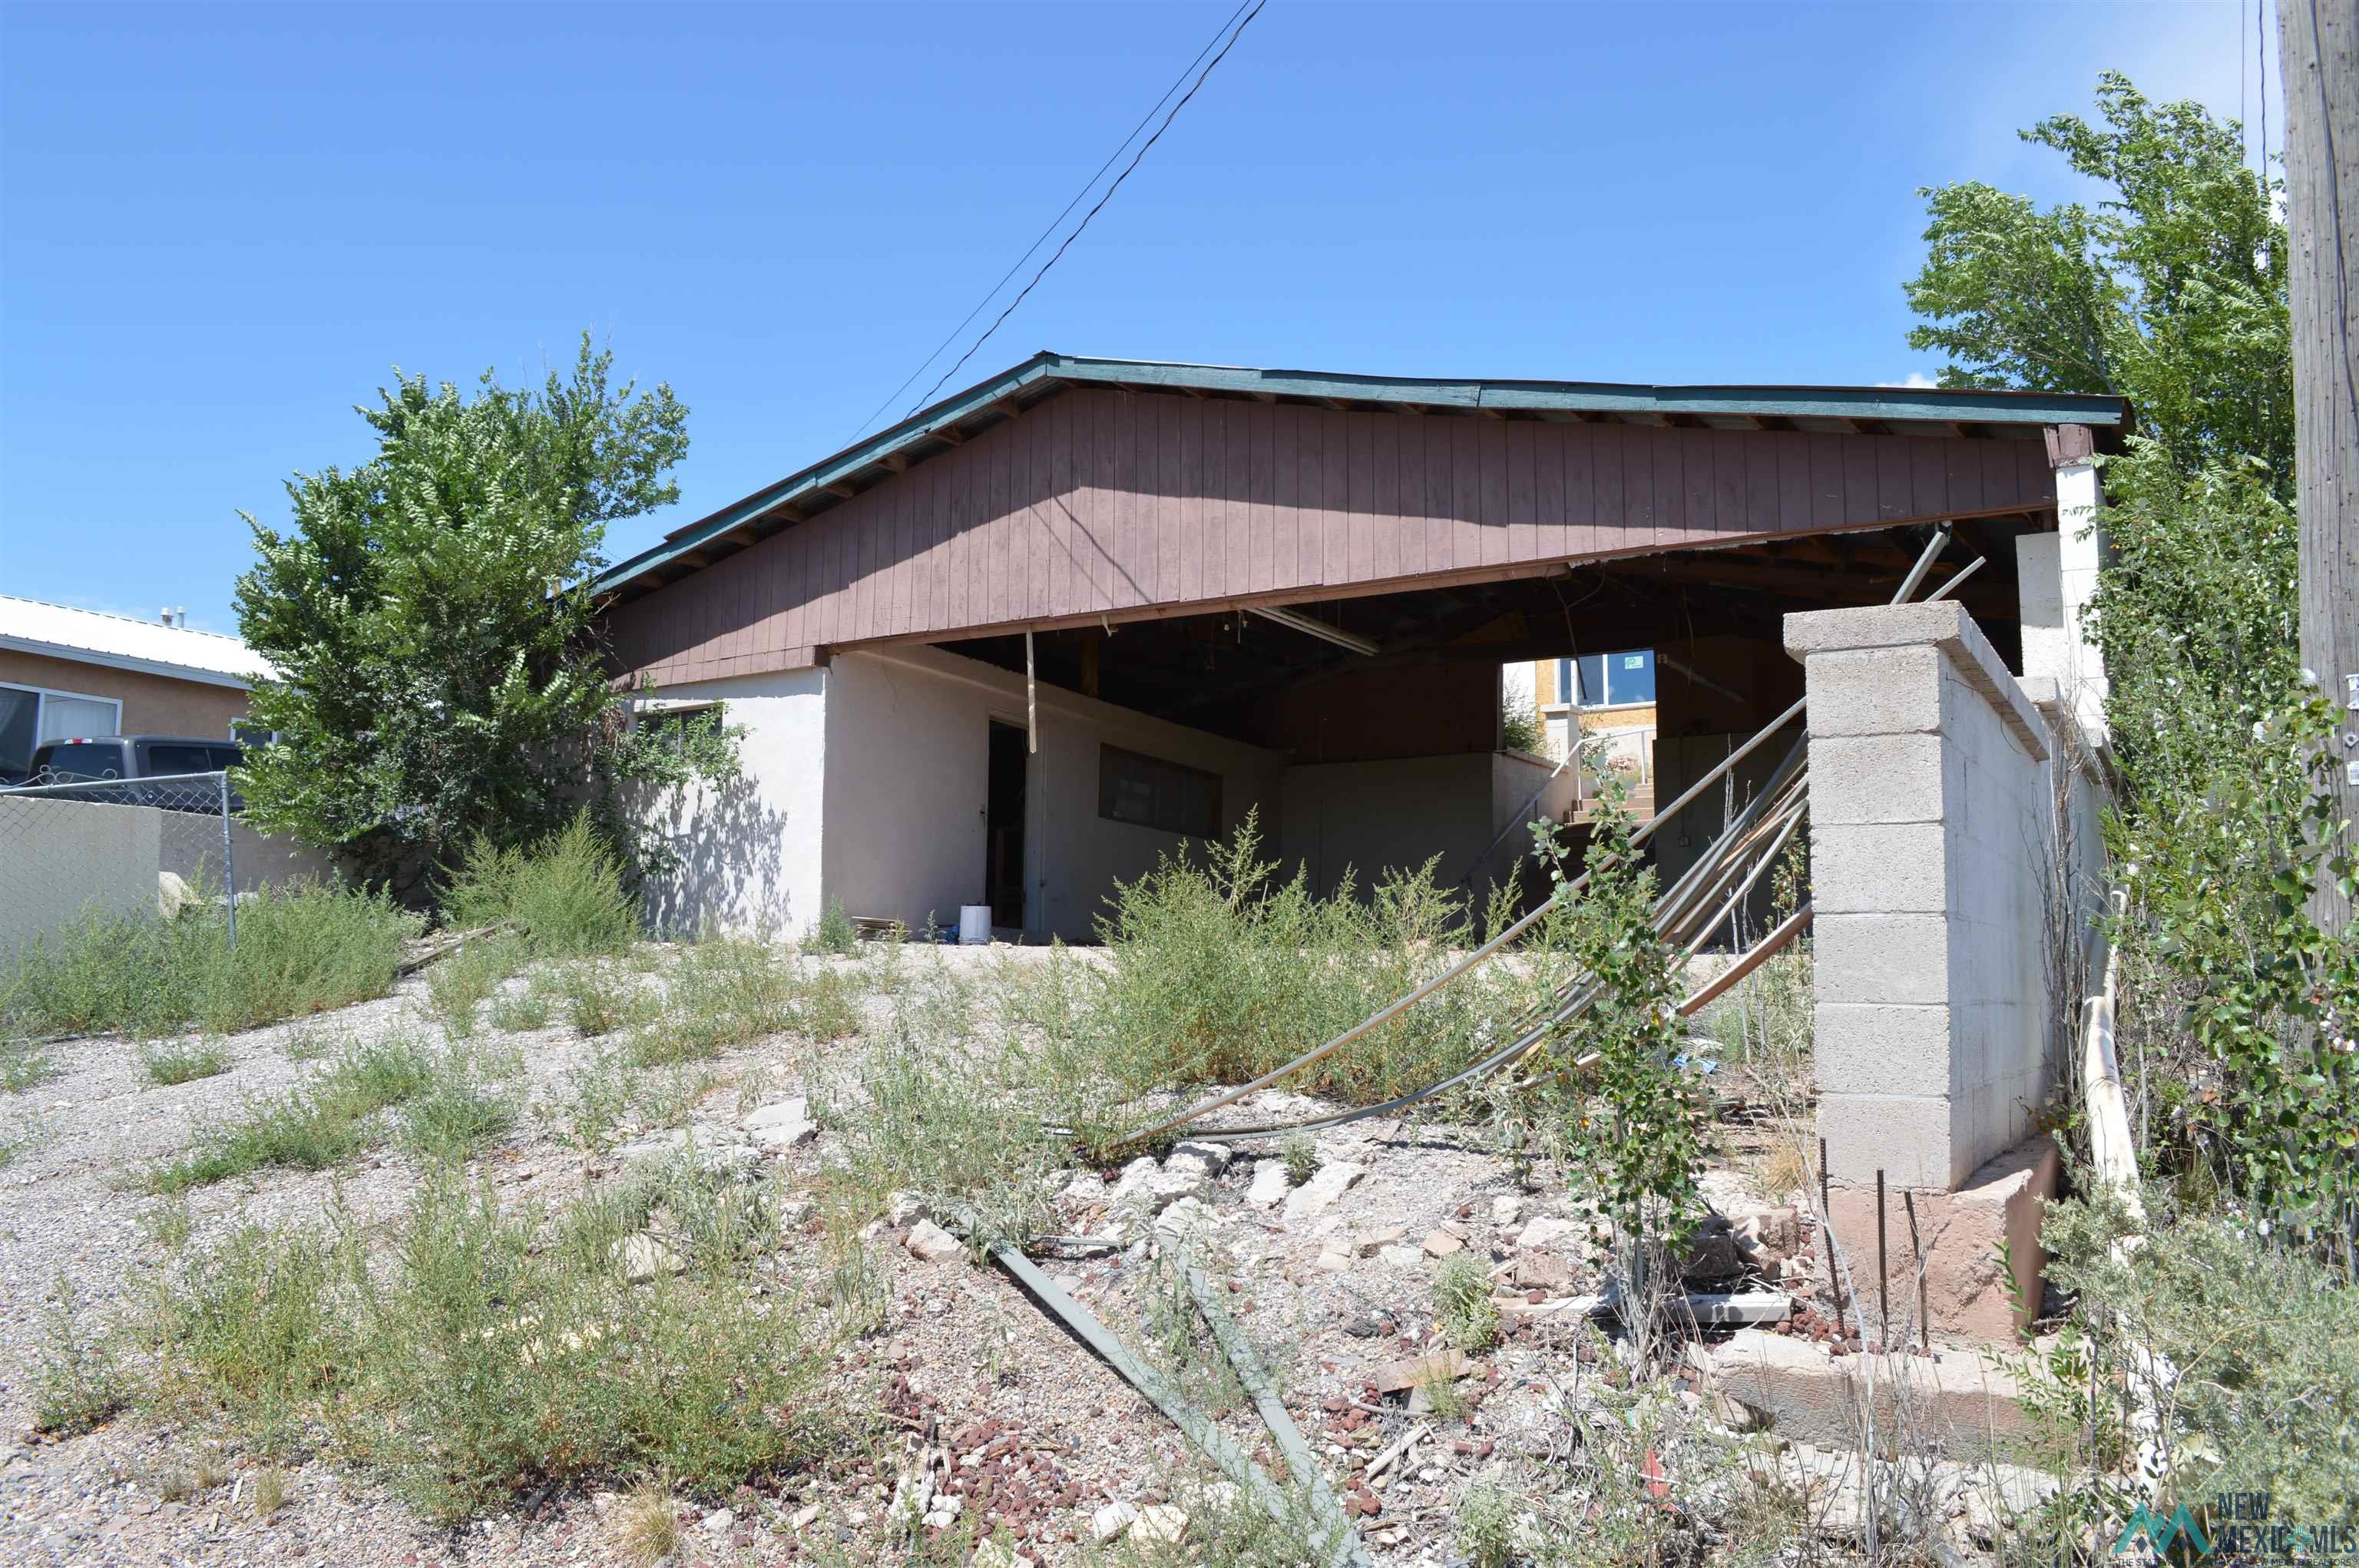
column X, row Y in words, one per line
column 1002, row 815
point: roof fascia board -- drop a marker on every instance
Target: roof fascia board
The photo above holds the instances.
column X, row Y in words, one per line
column 124, row 661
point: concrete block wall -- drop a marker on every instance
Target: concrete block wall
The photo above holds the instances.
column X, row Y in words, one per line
column 1929, row 826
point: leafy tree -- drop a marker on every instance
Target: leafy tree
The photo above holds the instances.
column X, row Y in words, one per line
column 430, row 611
column 2170, row 290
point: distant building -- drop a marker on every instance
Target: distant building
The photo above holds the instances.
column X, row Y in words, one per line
column 65, row 672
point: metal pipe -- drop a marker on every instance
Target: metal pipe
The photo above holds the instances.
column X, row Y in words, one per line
column 1946, row 589
column 1933, row 548
column 1711, row 990
column 1883, row 1275
column 229, row 862
column 1310, row 625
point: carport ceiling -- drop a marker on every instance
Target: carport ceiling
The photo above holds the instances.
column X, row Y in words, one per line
column 1208, row 671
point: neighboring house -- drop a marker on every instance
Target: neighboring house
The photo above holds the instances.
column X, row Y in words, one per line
column 1091, row 611
column 1608, row 698
column 65, row 671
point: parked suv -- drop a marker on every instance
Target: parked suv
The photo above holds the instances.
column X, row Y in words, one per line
column 135, row 759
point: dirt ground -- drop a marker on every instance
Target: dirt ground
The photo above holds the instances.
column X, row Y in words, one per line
column 1041, row 1435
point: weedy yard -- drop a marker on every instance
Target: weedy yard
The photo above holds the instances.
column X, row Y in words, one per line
column 574, row 1246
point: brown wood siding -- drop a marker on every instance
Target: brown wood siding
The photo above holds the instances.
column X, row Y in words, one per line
column 1107, row 503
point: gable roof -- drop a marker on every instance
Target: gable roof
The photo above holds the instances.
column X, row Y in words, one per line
column 123, row 642
column 947, row 424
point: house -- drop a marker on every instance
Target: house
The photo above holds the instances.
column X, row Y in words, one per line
column 65, row 671
column 1088, row 611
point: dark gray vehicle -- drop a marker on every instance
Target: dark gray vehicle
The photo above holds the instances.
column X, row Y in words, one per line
column 154, row 769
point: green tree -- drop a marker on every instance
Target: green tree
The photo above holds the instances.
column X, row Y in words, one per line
column 2169, row 290
column 430, row 611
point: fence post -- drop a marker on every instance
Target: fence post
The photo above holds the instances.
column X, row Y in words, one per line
column 229, row 859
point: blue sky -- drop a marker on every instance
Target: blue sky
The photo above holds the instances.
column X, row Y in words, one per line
column 220, row 227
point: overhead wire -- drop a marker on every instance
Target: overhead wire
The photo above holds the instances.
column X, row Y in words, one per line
column 1087, row 186
column 1077, row 228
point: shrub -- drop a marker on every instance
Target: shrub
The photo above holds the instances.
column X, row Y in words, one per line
column 727, row 992
column 566, row 896
column 598, row 1000
column 183, row 1061
column 311, row 1127
column 835, row 934
column 1300, row 1157
column 245, row 1331
column 458, row 984
column 78, row 1376
column 307, row 948
column 1218, row 971
column 1462, row 1302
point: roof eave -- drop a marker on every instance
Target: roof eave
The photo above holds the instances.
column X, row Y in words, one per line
column 129, row 662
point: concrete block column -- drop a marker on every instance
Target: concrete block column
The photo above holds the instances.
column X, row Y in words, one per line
column 2057, row 577
column 1929, row 822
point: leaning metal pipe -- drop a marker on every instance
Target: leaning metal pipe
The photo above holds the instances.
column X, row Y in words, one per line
column 1395, row 1009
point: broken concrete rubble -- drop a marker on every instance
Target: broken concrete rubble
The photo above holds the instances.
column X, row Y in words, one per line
column 1269, row 1185
column 1331, row 1181
column 783, row 1126
column 931, row 1243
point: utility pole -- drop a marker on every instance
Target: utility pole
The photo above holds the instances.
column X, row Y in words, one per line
column 2318, row 57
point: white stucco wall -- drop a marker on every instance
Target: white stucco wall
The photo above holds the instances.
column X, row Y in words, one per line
column 748, row 854
column 1371, row 817
column 907, row 750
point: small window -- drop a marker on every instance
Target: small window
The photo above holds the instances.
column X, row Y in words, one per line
column 1623, row 680
column 1154, row 793
column 670, row 726
column 165, row 757
column 31, row 717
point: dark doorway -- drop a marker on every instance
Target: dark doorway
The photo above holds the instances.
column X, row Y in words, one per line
column 1003, row 820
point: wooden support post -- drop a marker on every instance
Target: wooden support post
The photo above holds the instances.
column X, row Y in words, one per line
column 2318, row 56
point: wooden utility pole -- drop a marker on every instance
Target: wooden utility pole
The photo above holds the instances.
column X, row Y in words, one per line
column 2318, row 57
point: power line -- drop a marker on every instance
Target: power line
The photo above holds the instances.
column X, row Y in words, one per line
column 1094, row 212
column 1087, row 186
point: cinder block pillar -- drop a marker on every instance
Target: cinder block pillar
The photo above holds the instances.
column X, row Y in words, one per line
column 1929, row 822
column 2057, row 577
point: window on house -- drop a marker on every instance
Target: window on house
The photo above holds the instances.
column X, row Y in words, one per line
column 671, row 725
column 1153, row 793
column 30, row 715
column 1623, row 680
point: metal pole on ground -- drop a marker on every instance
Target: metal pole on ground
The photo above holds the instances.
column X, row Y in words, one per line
column 1883, row 1273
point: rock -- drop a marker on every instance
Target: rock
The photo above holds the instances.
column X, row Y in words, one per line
column 1362, row 1328
column 1111, row 1521
column 1269, row 1185
column 172, row 895
column 905, row 1208
column 783, row 1125
column 1505, row 1211
column 1163, row 1523
column 642, row 1258
column 1367, row 1243
column 715, row 1156
column 1335, row 1262
column 1185, row 1219
column 1778, row 1229
column 804, row 1518
column 1712, row 1252
column 1543, row 1271
column 1441, row 1244
column 1395, row 1376
column 1549, row 1230
column 1087, row 1191
column 1401, row 1257
column 1332, row 1182
column 1210, row 1158
column 720, row 1521
column 931, row 1243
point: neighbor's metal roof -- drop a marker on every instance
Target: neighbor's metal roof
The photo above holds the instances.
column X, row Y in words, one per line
column 1893, row 406
column 125, row 642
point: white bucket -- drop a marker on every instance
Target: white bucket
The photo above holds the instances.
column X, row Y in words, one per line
column 974, row 925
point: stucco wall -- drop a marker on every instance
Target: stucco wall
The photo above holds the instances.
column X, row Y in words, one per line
column 1371, row 817
column 152, row 704
column 68, row 857
column 65, row 857
column 745, row 855
column 907, row 737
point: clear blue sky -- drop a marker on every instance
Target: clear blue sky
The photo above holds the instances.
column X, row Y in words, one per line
column 220, row 227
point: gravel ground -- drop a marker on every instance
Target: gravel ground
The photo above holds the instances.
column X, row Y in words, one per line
column 1038, row 1434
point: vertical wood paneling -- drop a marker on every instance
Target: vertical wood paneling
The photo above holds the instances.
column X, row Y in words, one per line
column 1096, row 501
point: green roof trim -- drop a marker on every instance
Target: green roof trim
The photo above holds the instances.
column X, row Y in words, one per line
column 1898, row 404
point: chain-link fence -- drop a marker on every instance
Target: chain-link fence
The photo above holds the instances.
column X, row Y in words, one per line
column 121, row 846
